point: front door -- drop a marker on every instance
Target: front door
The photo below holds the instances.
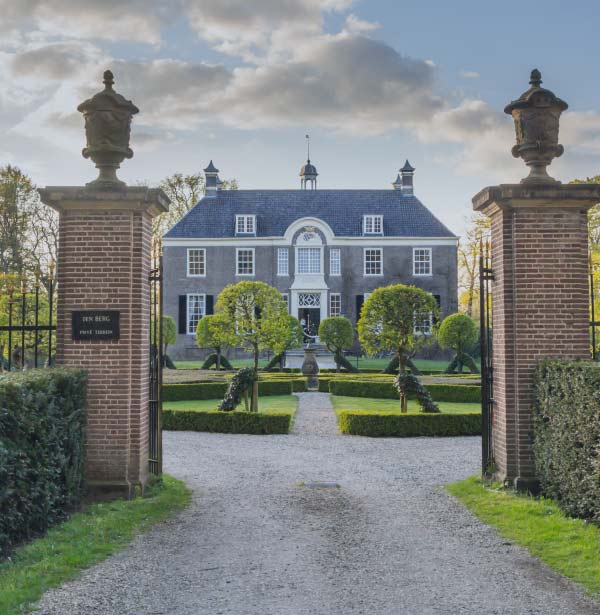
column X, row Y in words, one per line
column 309, row 320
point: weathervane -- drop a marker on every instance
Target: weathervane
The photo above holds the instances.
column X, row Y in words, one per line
column 308, row 148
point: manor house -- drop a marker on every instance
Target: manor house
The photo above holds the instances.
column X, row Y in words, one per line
column 324, row 250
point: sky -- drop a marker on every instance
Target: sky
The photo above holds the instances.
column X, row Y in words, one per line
column 241, row 82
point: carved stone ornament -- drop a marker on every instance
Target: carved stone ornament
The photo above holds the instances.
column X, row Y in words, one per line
column 107, row 118
column 537, row 114
column 310, row 367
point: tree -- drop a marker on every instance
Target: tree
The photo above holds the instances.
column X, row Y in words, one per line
column 337, row 334
column 212, row 332
column 459, row 332
column 397, row 319
column 184, row 191
column 294, row 339
column 469, row 250
column 257, row 319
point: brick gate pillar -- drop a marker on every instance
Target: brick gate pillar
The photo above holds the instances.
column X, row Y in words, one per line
column 103, row 265
column 540, row 302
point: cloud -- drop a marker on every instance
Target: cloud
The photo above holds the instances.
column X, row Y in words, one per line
column 113, row 20
column 354, row 25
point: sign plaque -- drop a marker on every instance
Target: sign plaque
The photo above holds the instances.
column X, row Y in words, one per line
column 91, row 325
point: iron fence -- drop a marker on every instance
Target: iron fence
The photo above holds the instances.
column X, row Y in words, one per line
column 594, row 322
column 28, row 321
column 155, row 362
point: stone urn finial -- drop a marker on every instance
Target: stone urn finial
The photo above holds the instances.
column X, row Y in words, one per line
column 536, row 114
column 107, row 118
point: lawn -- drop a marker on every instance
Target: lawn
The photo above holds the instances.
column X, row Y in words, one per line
column 569, row 546
column 85, row 539
column 268, row 405
column 370, row 404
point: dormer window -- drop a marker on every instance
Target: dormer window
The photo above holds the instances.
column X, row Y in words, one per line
column 245, row 225
column 372, row 225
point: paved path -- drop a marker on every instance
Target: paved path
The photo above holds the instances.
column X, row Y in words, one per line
column 256, row 541
column 315, row 415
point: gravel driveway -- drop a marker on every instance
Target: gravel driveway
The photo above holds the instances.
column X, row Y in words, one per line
column 257, row 541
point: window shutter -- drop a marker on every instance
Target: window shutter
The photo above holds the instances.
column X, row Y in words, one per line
column 360, row 299
column 210, row 304
column 257, row 313
column 183, row 314
column 439, row 302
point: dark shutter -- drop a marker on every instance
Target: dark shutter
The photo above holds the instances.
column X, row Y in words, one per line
column 210, row 304
column 183, row 314
column 257, row 313
column 360, row 299
column 439, row 302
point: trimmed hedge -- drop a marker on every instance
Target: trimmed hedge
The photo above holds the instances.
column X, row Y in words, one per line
column 235, row 421
column 387, row 390
column 216, row 390
column 42, row 435
column 391, row 424
column 566, row 428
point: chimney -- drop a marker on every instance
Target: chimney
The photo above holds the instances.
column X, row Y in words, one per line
column 398, row 183
column 212, row 181
column 407, row 172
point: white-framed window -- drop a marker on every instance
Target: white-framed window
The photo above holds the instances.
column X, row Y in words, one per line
column 244, row 258
column 335, row 304
column 373, row 261
column 196, row 309
column 335, row 261
column 421, row 261
column 286, row 300
column 372, row 225
column 423, row 323
column 308, row 260
column 245, row 225
column 196, row 262
column 283, row 261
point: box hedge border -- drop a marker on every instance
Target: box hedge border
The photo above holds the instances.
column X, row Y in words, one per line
column 42, row 450
column 227, row 422
column 458, row 393
column 391, row 424
column 216, row 390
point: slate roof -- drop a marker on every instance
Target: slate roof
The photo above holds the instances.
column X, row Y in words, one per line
column 403, row 215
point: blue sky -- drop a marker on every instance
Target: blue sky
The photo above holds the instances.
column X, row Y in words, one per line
column 242, row 81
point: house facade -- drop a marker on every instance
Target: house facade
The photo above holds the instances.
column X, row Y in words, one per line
column 324, row 250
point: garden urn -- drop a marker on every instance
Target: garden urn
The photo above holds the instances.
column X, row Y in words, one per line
column 310, row 367
column 107, row 118
column 536, row 114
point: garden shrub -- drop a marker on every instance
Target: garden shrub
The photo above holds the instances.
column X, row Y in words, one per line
column 412, row 387
column 227, row 422
column 212, row 360
column 567, row 435
column 392, row 424
column 239, row 386
column 216, row 390
column 42, row 435
column 383, row 389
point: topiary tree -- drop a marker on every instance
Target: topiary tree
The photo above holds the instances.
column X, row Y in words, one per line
column 212, row 331
column 294, row 339
column 169, row 336
column 257, row 319
column 337, row 334
column 398, row 319
column 458, row 332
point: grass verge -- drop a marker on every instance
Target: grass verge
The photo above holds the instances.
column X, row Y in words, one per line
column 371, row 404
column 569, row 546
column 85, row 539
column 270, row 404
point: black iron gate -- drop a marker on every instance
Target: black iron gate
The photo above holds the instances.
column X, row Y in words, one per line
column 486, row 275
column 156, row 362
column 594, row 322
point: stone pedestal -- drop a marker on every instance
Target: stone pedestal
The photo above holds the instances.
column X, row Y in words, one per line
column 104, row 264
column 310, row 368
column 540, row 302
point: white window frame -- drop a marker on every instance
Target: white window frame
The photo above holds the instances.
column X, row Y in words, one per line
column 337, row 296
column 298, row 249
column 373, row 275
column 283, row 261
column 423, row 275
column 338, row 261
column 244, row 219
column 422, row 331
column 188, row 314
column 286, row 300
column 237, row 262
column 372, row 220
column 196, row 275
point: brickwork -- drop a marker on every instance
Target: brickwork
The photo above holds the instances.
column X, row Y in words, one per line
column 104, row 263
column 540, row 303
